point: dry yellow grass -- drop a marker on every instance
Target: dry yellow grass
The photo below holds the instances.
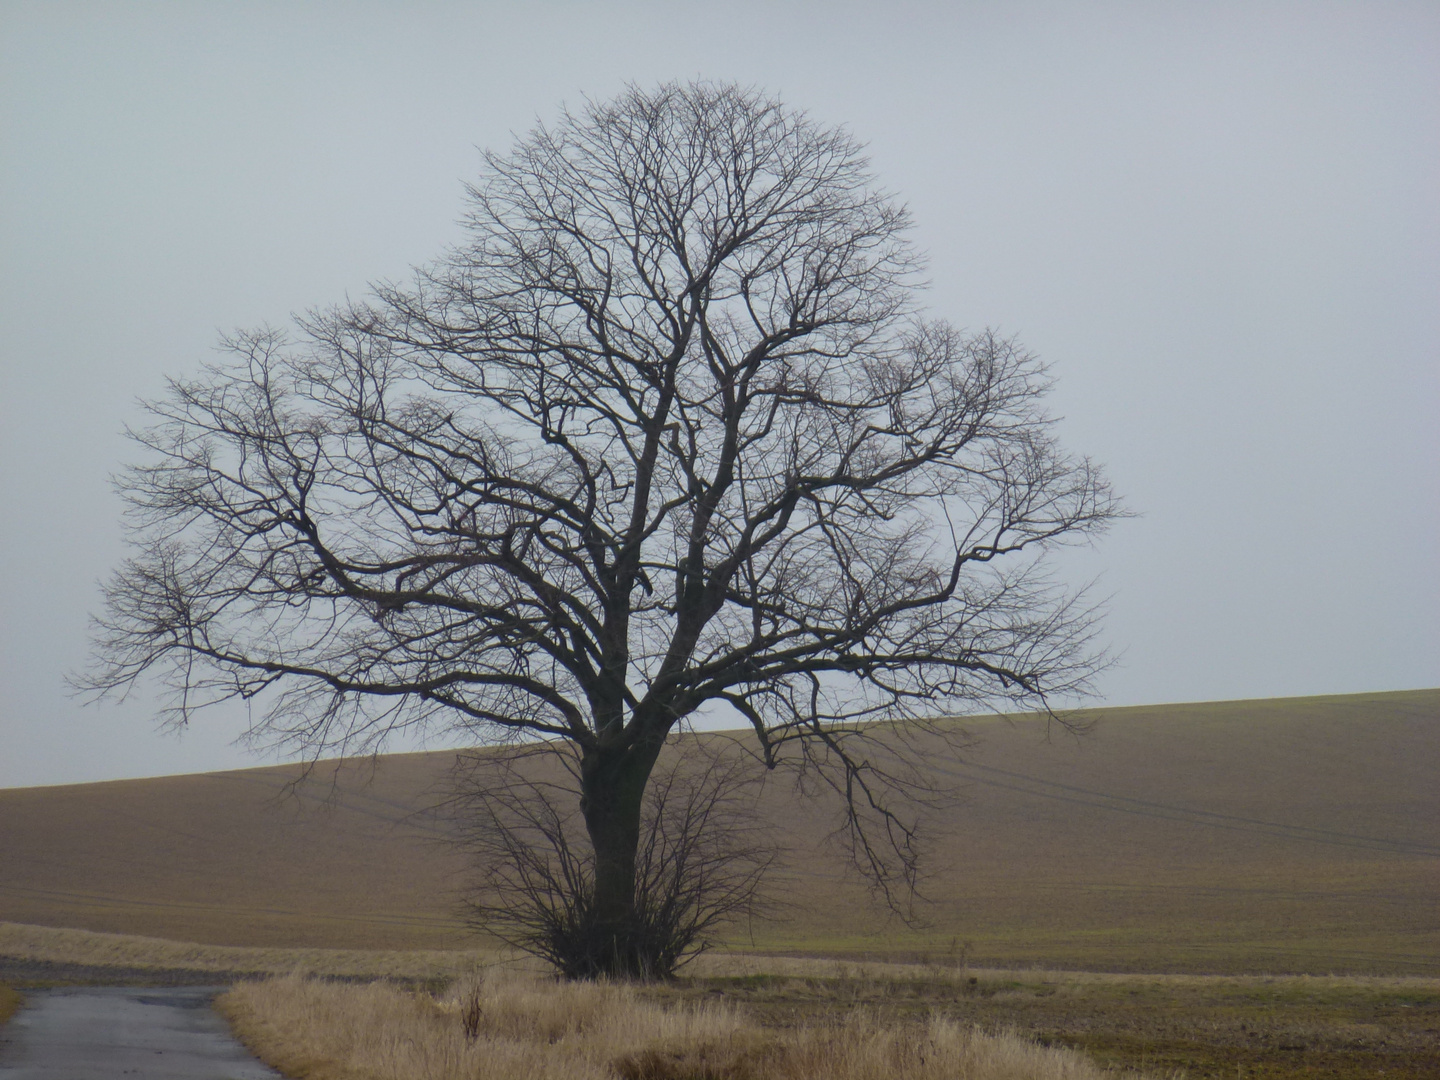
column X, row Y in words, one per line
column 738, row 965
column 1207, row 1025
column 101, row 951
column 87, row 948
column 526, row 1028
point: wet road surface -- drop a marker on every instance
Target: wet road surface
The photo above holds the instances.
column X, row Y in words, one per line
column 101, row 1033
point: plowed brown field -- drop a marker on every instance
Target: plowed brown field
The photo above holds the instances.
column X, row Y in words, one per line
column 1294, row 835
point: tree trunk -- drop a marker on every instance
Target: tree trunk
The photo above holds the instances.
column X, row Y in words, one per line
column 612, row 794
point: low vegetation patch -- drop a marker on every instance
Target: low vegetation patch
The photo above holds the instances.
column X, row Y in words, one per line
column 9, row 1002
column 1204, row 1027
column 510, row 1025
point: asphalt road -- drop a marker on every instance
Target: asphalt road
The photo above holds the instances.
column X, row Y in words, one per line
column 100, row 1033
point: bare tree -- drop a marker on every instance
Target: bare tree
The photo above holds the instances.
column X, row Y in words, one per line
column 667, row 430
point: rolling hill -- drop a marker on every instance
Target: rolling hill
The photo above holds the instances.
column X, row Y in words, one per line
column 1284, row 835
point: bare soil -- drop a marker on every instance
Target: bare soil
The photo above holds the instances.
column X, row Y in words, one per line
column 1281, row 836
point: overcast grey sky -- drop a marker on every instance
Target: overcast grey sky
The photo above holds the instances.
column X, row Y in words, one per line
column 1220, row 224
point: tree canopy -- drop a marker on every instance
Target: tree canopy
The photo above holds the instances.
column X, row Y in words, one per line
column 669, row 429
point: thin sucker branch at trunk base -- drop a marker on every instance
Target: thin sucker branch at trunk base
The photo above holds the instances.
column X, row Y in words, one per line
column 695, row 856
column 667, row 434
